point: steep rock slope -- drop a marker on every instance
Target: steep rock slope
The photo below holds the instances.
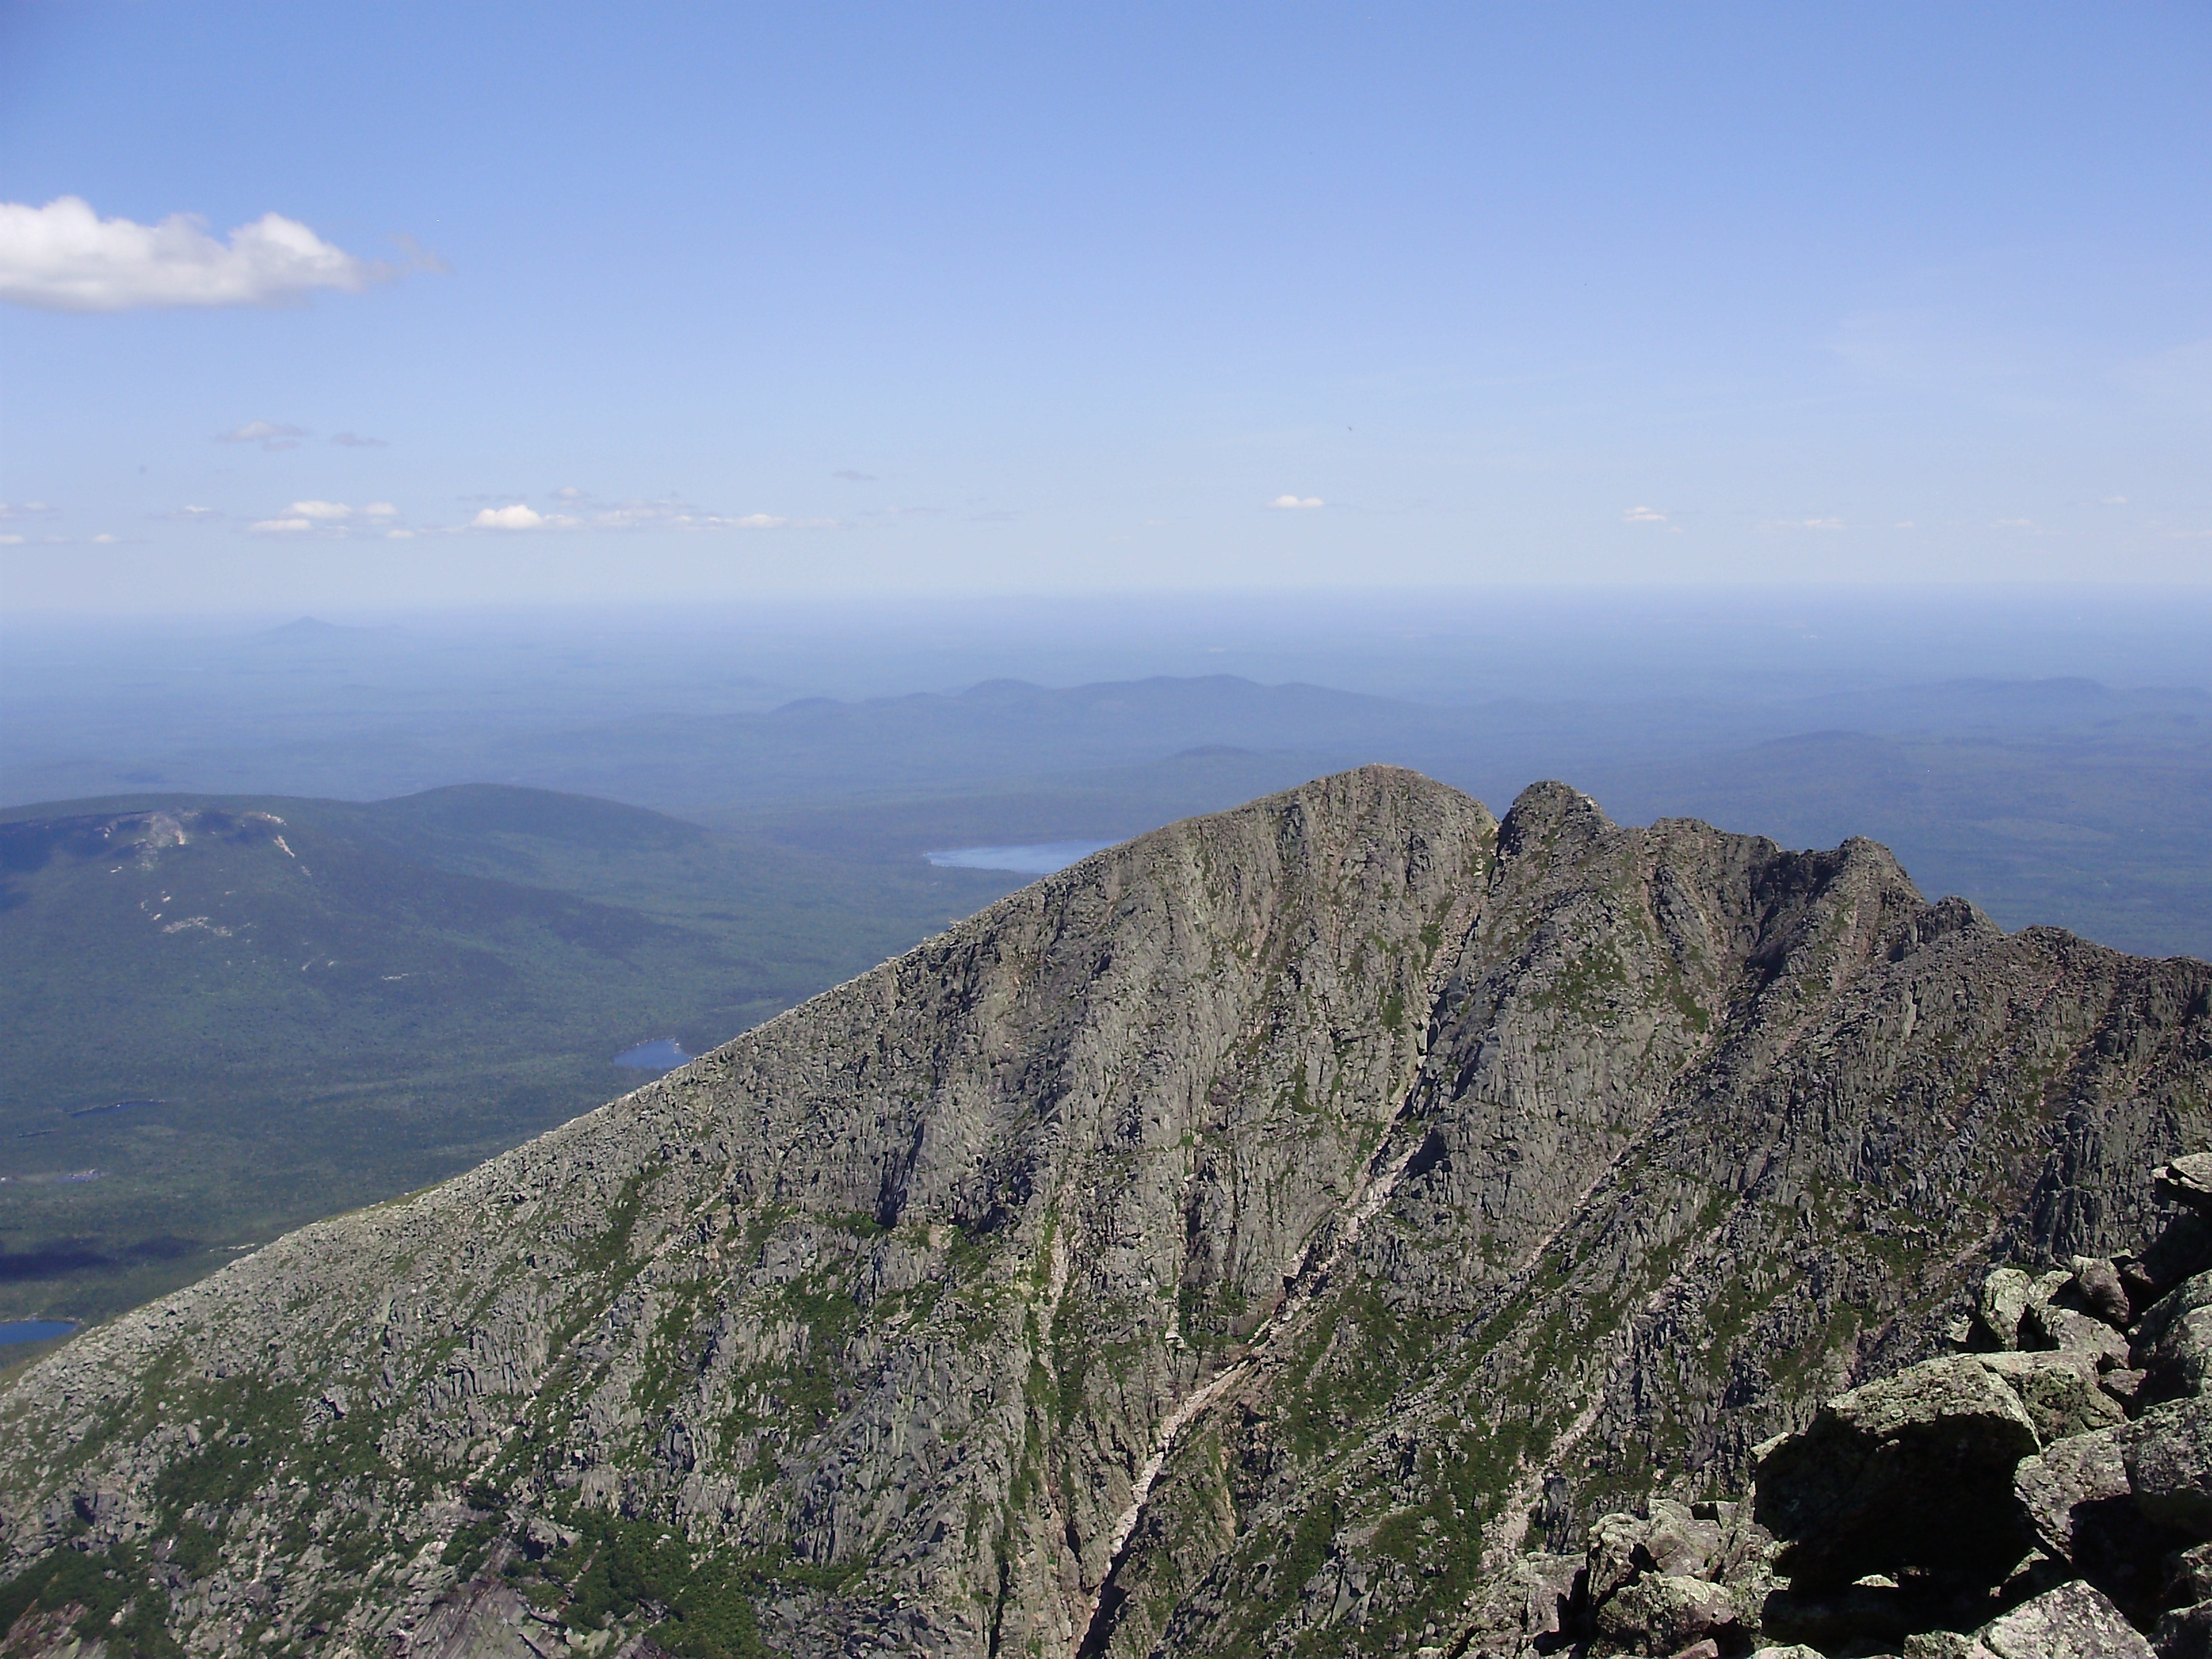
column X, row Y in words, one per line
column 1245, row 1241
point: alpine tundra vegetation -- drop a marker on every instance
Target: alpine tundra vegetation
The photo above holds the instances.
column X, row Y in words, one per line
column 1347, row 1225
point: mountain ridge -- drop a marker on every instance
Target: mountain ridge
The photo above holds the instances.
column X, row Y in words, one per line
column 1352, row 1106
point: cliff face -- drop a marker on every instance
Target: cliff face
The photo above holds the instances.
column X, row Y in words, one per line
column 1245, row 1241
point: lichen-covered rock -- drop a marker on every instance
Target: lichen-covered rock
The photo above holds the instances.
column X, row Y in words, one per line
column 1914, row 1471
column 2168, row 1453
column 2003, row 1303
column 2188, row 1181
column 1944, row 1644
column 2053, row 1325
column 2173, row 1342
column 2074, row 1622
column 2070, row 1484
column 2060, row 1392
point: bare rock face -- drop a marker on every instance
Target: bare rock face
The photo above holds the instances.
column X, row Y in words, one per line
column 1289, row 1231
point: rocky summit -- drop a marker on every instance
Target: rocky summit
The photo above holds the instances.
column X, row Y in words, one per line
column 1346, row 1224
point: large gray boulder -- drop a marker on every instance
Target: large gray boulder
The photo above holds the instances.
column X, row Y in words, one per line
column 2068, row 1487
column 1913, row 1472
column 2060, row 1391
column 2074, row 1622
column 2187, row 1181
column 2002, row 1302
column 2173, row 1344
column 2169, row 1452
column 2078, row 1497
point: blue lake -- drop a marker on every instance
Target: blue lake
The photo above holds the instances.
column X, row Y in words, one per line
column 33, row 1330
column 1036, row 858
column 661, row 1054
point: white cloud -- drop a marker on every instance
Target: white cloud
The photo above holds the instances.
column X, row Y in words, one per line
column 321, row 510
column 63, row 257
column 102, row 539
column 281, row 526
column 27, row 510
column 195, row 515
column 1296, row 503
column 1905, row 524
column 517, row 517
column 2111, row 500
column 1801, row 523
column 11, row 540
column 354, row 440
column 1644, row 515
column 760, row 521
column 380, row 510
column 267, row 433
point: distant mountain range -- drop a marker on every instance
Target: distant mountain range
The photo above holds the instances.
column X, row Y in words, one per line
column 2061, row 800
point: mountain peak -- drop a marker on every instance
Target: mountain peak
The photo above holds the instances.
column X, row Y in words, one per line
column 1337, row 1180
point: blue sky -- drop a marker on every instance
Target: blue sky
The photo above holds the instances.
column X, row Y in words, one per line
column 828, row 299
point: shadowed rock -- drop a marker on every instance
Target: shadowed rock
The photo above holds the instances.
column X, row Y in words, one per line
column 1911, row 1472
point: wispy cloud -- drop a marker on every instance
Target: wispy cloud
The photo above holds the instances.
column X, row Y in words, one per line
column 267, row 433
column 26, row 510
column 1801, row 523
column 354, row 440
column 324, row 510
column 64, row 256
column 1297, row 503
column 282, row 526
column 1644, row 515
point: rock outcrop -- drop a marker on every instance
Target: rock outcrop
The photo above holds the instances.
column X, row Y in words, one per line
column 1306, row 1230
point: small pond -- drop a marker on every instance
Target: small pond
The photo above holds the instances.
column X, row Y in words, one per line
column 33, row 1330
column 661, row 1054
column 1036, row 858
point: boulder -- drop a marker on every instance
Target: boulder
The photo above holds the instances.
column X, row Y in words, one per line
column 2074, row 1622
column 1944, row 1644
column 2173, row 1344
column 2053, row 1325
column 2188, row 1577
column 2124, row 1387
column 2183, row 1248
column 2186, row 1180
column 2060, row 1391
column 1658, row 1613
column 2066, row 1485
column 2098, row 1284
column 2003, row 1300
column 2184, row 1634
column 2078, row 1497
column 1794, row 1650
column 2169, row 1452
column 1913, row 1472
